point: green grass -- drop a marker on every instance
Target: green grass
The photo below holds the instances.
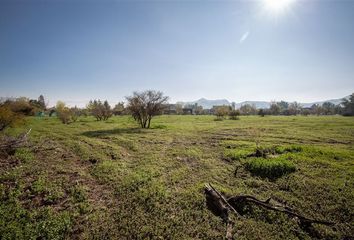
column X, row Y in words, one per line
column 270, row 168
column 112, row 180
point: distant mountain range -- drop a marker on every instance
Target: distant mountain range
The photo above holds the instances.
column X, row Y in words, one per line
column 207, row 104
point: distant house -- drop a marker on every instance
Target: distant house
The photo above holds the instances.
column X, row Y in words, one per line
column 170, row 109
column 40, row 114
column 52, row 112
column 188, row 111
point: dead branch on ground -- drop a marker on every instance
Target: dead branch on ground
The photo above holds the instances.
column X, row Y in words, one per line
column 220, row 206
column 8, row 143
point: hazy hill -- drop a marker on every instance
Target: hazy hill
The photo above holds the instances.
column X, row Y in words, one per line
column 334, row 101
column 207, row 104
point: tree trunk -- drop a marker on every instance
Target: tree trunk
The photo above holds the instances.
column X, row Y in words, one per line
column 149, row 122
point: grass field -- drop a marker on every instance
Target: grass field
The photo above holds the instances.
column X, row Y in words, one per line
column 112, row 180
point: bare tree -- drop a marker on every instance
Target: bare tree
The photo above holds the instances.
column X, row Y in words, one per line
column 101, row 111
column 234, row 114
column 179, row 109
column 145, row 105
column 119, row 109
column 248, row 109
column 199, row 110
column 221, row 111
column 274, row 108
column 348, row 105
column 294, row 108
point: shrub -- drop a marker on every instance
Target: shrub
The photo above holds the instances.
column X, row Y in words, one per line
column 270, row 168
column 75, row 113
column 64, row 113
column 248, row 109
column 65, row 116
column 221, row 112
column 233, row 114
column 261, row 112
column 21, row 106
column 8, row 118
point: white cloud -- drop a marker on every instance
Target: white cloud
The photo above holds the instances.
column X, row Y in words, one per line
column 244, row 36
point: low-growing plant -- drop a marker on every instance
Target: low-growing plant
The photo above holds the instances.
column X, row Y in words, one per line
column 289, row 148
column 237, row 154
column 24, row 154
column 78, row 193
column 270, row 168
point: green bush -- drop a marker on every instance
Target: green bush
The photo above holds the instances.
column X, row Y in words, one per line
column 270, row 168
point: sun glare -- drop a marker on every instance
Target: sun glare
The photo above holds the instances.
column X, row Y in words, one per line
column 277, row 6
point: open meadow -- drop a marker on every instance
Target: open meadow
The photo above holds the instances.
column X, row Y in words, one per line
column 113, row 180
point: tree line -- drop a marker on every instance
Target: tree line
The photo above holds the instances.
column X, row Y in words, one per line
column 143, row 106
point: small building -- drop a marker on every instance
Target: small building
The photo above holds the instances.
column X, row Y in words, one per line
column 40, row 114
column 170, row 109
column 188, row 111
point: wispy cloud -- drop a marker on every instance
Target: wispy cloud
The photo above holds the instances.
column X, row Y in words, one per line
column 244, row 36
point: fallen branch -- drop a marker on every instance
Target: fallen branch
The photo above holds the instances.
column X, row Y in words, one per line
column 221, row 206
column 8, row 144
column 218, row 205
column 237, row 200
column 225, row 201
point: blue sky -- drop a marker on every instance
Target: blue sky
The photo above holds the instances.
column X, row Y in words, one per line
column 239, row 50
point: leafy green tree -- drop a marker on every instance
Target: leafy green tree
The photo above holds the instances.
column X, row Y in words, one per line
column 283, row 106
column 42, row 102
column 348, row 106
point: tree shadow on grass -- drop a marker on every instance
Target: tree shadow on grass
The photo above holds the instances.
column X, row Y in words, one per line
column 102, row 133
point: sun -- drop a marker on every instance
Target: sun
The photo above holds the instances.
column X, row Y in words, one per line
column 277, row 6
